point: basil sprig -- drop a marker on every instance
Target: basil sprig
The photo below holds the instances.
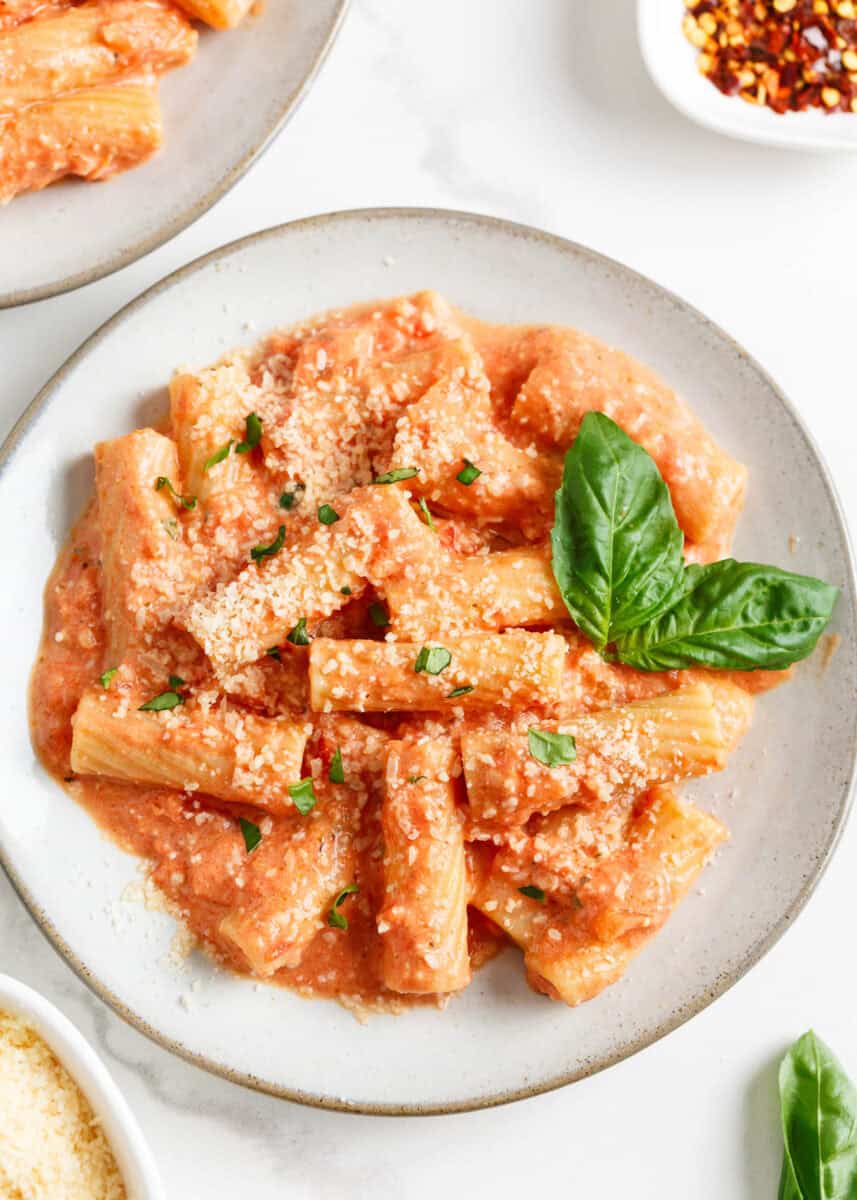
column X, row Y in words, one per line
column 818, row 1104
column 617, row 559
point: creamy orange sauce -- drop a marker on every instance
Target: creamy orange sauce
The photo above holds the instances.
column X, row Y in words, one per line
column 353, row 373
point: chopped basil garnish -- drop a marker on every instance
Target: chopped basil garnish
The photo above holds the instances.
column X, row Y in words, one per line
column 551, row 749
column 108, row 677
column 274, row 652
column 459, row 691
column 336, row 773
column 534, row 893
column 175, row 682
column 335, row 918
column 327, row 515
column 185, row 501
column 299, row 636
column 468, row 473
column 432, row 660
column 252, row 434
column 252, row 834
column 424, row 509
column 416, row 778
column 303, row 796
column 346, row 591
column 397, row 474
column 163, row 702
column 171, row 525
column 289, row 499
column 259, row 552
column 218, row 456
column 379, row 615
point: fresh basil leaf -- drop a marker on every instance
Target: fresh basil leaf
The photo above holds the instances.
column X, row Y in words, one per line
column 617, row 547
column 327, row 515
column 175, row 682
column 734, row 616
column 346, row 591
column 432, row 660
column 429, row 519
column 378, row 615
column 818, row 1104
column 218, row 456
column 260, row 552
column 551, row 749
column 188, row 502
column 299, row 636
column 336, row 773
column 252, row 434
column 397, row 474
column 162, row 703
column 252, row 834
column 303, row 796
column 274, row 652
column 788, row 1189
column 468, row 473
column 459, row 691
column 108, row 677
column 534, row 893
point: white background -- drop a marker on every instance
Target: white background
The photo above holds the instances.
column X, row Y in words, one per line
column 540, row 111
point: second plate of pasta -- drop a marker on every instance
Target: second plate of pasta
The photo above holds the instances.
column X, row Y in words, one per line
column 310, row 656
column 111, row 91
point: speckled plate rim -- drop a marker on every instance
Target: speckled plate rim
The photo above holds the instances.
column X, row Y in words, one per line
column 681, row 1014
column 166, row 232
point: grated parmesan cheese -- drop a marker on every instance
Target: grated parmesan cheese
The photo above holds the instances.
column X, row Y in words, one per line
column 51, row 1145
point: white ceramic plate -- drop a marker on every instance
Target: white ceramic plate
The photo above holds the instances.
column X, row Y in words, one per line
column 671, row 61
column 132, row 1155
column 220, row 113
column 785, row 794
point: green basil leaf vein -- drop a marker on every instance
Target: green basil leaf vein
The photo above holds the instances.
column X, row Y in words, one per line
column 734, row 616
column 616, row 544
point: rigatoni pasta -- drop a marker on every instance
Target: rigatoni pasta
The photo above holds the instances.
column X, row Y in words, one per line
column 307, row 654
column 423, row 920
column 79, row 83
column 228, row 753
column 94, row 133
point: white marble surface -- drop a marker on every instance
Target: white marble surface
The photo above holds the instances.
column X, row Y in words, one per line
column 537, row 110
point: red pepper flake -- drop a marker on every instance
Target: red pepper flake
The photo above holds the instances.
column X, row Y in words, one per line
column 789, row 55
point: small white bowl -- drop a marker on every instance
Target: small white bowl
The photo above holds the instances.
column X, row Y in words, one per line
column 671, row 62
column 133, row 1156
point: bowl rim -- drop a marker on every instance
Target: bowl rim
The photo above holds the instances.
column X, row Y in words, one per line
column 141, row 247
column 678, row 1016
column 790, row 132
column 89, row 1073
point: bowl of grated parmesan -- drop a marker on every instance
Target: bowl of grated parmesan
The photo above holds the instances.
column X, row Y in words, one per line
column 65, row 1128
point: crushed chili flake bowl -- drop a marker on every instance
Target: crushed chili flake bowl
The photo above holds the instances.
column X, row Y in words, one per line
column 672, row 63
